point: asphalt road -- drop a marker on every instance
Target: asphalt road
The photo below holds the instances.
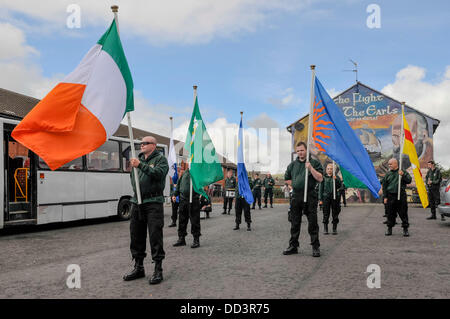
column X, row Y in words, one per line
column 235, row 264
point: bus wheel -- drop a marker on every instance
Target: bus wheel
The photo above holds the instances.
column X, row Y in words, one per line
column 124, row 209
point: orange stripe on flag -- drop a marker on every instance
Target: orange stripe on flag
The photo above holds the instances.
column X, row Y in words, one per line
column 59, row 128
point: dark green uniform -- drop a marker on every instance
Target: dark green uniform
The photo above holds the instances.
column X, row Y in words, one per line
column 296, row 173
column 230, row 185
column 241, row 204
column 326, row 196
column 390, row 191
column 269, row 182
column 175, row 204
column 256, row 190
column 150, row 214
column 186, row 214
column 435, row 177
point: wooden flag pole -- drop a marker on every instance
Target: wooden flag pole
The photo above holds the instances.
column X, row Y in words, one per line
column 402, row 141
column 190, row 192
column 310, row 125
column 115, row 9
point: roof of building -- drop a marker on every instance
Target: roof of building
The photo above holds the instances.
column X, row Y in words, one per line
column 16, row 106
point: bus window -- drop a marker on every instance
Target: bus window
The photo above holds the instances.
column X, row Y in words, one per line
column 105, row 158
column 75, row 165
column 126, row 154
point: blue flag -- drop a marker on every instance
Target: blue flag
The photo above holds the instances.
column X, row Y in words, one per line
column 333, row 136
column 244, row 187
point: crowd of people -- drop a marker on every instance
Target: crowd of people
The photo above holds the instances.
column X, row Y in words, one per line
column 323, row 189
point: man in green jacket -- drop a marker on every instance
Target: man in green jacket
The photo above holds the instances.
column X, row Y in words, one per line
column 295, row 176
column 230, row 186
column 326, row 198
column 268, row 189
column 152, row 168
column 187, row 211
column 256, row 190
column 433, row 182
column 390, row 195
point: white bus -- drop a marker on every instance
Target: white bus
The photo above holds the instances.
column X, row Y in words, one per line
column 92, row 186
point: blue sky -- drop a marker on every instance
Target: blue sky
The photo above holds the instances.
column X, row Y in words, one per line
column 256, row 65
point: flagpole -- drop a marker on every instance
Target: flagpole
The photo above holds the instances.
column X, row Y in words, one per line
column 190, row 190
column 401, row 151
column 310, row 125
column 334, row 182
column 115, row 9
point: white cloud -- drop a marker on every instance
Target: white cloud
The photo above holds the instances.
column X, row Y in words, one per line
column 18, row 72
column 285, row 99
column 432, row 98
column 187, row 21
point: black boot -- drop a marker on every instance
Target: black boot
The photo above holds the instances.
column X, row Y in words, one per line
column 157, row 276
column 196, row 242
column 290, row 250
column 236, row 227
column 137, row 272
column 389, row 231
column 229, row 211
column 325, row 229
column 334, row 229
column 442, row 218
column 174, row 224
column 433, row 216
column 248, row 227
column 180, row 242
column 224, row 212
column 207, row 214
column 405, row 232
column 316, row 252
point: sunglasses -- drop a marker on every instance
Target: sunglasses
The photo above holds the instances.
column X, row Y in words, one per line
column 146, row 143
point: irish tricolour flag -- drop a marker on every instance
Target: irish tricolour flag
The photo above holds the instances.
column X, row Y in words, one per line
column 81, row 112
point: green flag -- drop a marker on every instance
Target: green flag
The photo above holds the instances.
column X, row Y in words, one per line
column 351, row 181
column 205, row 167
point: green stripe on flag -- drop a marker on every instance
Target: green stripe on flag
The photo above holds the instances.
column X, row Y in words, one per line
column 110, row 42
column 351, row 181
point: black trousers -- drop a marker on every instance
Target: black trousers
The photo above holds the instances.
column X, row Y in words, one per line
column 298, row 209
column 174, row 216
column 227, row 201
column 257, row 196
column 397, row 207
column 268, row 192
column 185, row 216
column 147, row 216
column 434, row 199
column 342, row 193
column 333, row 205
column 241, row 204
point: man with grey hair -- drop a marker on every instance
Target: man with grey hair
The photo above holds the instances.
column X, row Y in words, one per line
column 152, row 168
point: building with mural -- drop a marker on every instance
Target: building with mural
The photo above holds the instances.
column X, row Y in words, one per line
column 376, row 119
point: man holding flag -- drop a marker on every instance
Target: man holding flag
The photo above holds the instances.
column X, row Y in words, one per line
column 295, row 177
column 244, row 196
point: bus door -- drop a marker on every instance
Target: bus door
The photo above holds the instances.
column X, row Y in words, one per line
column 18, row 192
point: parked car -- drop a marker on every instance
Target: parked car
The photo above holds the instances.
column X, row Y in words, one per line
column 444, row 206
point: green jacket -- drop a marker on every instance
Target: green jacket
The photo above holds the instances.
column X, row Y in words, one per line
column 434, row 176
column 230, row 183
column 184, row 186
column 390, row 182
column 269, row 182
column 257, row 183
column 152, row 178
column 326, row 187
column 296, row 173
column 250, row 182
